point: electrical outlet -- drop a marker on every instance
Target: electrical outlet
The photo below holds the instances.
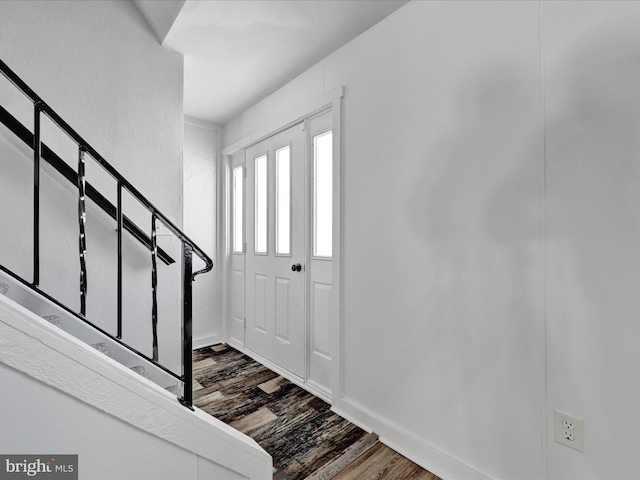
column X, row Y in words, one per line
column 568, row 430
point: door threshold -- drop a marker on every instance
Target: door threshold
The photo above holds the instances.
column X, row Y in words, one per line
column 292, row 377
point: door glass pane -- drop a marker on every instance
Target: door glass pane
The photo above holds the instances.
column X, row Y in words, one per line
column 323, row 194
column 260, row 190
column 237, row 220
column 283, row 201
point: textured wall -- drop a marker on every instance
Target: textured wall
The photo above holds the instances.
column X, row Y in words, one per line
column 97, row 64
column 200, row 218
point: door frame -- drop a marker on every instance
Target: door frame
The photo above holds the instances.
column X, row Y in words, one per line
column 330, row 101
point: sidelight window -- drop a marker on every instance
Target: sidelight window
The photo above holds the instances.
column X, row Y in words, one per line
column 237, row 206
column 323, row 194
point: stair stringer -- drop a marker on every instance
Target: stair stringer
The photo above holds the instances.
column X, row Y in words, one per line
column 38, row 349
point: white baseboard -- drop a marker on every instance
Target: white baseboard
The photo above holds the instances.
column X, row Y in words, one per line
column 322, row 390
column 232, row 342
column 394, row 436
column 206, row 341
column 406, row 443
column 357, row 422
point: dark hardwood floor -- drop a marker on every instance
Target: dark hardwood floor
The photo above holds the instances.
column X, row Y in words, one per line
column 305, row 439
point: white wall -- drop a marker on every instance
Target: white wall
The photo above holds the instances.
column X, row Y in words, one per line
column 592, row 73
column 489, row 245
column 99, row 66
column 200, row 217
column 61, row 424
column 68, row 398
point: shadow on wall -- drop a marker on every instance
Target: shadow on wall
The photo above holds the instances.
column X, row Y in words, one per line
column 478, row 209
column 593, row 233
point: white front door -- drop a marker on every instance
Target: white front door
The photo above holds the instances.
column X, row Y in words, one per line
column 275, row 249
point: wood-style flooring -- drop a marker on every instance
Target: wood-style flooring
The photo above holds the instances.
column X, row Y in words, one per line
column 306, row 440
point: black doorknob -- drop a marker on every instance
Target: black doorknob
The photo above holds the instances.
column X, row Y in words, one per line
column 296, row 267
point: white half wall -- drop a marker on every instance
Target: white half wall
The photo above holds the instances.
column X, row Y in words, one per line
column 64, row 397
column 107, row 448
column 489, row 248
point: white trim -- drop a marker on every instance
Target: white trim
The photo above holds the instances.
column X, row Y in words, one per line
column 32, row 346
column 351, row 418
column 406, row 443
column 207, row 341
column 307, row 221
column 224, row 239
column 283, row 121
column 318, row 390
column 221, row 252
column 336, row 315
column 232, row 342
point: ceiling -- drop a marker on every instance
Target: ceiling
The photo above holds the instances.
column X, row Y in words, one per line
column 237, row 52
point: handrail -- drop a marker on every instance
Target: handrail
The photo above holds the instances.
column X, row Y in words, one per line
column 85, row 190
column 64, row 126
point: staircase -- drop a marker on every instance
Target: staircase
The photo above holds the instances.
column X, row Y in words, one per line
column 63, row 396
column 127, row 229
column 57, row 332
column 68, row 323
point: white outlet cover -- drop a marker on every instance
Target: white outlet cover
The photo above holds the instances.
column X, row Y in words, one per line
column 566, row 427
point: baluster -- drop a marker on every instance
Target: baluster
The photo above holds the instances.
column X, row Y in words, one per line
column 119, row 219
column 82, row 220
column 123, row 223
column 36, row 193
column 154, row 286
column 187, row 340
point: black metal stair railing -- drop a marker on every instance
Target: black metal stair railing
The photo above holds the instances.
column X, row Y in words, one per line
column 82, row 222
column 86, row 190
